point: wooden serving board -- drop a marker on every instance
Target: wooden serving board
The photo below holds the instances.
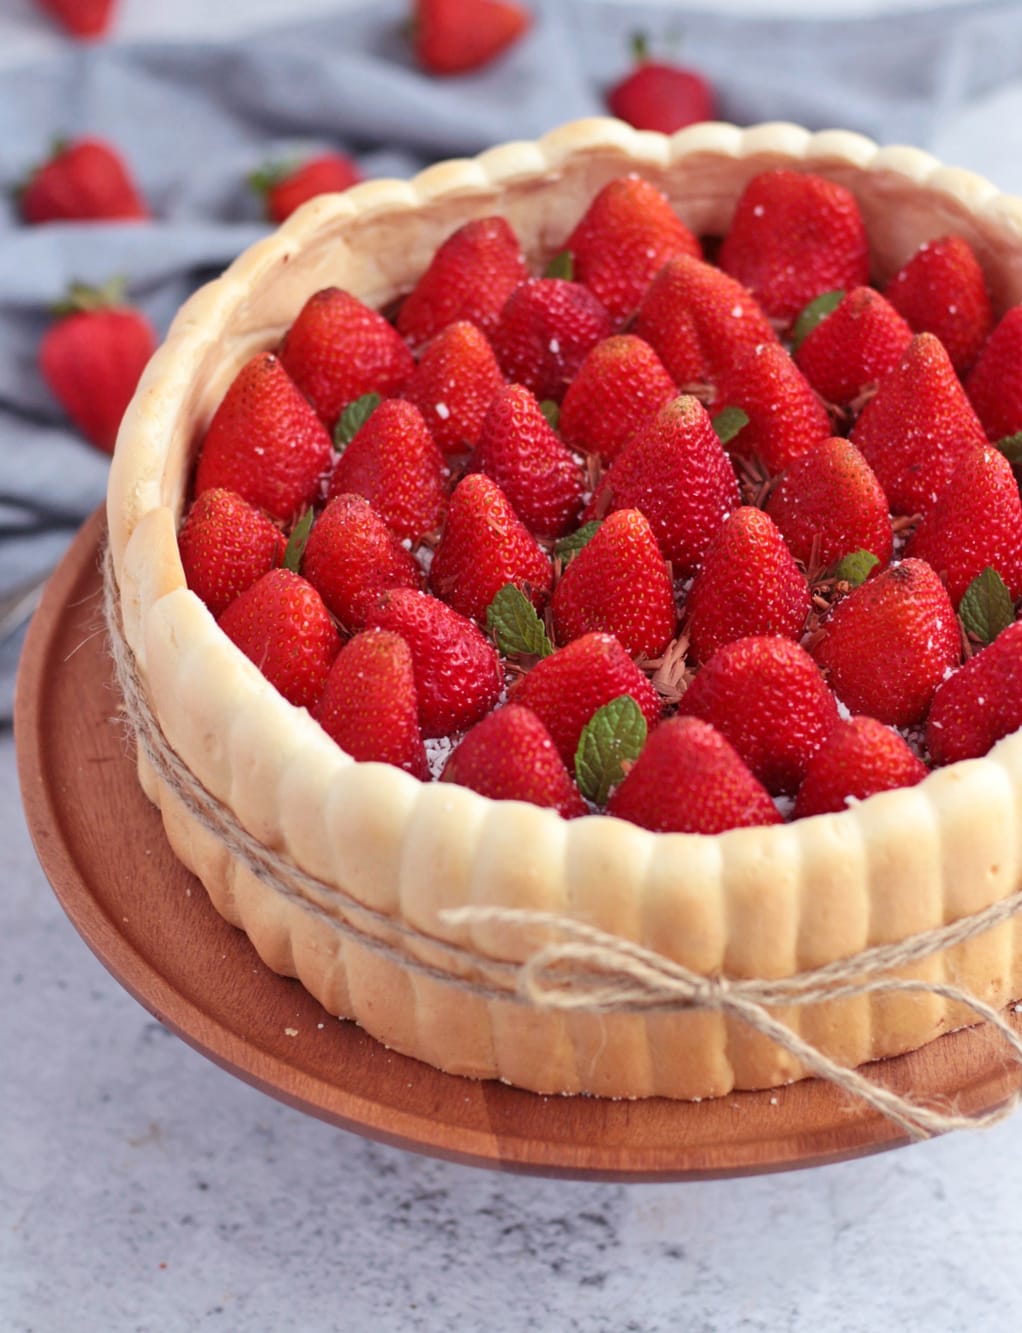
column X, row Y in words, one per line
column 149, row 921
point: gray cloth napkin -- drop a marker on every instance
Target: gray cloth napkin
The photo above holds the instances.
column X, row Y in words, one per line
column 194, row 119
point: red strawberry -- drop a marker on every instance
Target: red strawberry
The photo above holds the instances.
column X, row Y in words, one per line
column 265, row 442
column 566, row 688
column 828, row 504
column 453, row 385
column 995, row 384
column 660, row 95
column 524, row 456
column 546, row 328
column 455, row 36
column 620, row 385
column 699, row 321
column 86, row 180
column 483, row 547
column 285, row 188
column 338, row 349
column 281, row 625
column 793, row 236
column 918, row 427
column 767, row 697
column 941, row 290
column 351, row 556
column 623, row 239
column 619, row 583
column 976, row 522
column 690, row 779
column 469, row 277
column 85, row 19
column 859, row 758
column 980, row 703
column 369, row 705
column 92, row 359
column 888, row 645
column 394, row 462
column 458, row 675
column 226, row 545
column 748, row 584
column 859, row 342
column 786, row 418
column 509, row 756
column 676, row 471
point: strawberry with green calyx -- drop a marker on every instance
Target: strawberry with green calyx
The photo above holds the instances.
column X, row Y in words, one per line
column 369, row 704
column 545, row 330
column 458, row 36
column 620, row 385
column 942, row 290
column 265, row 442
column 469, row 277
column 281, row 625
column 285, row 186
column 690, row 779
column 338, row 349
column 994, row 385
column 394, row 462
column 351, row 556
column 844, row 355
column 93, row 356
column 859, row 758
column 453, row 385
column 747, row 584
column 785, row 416
column 981, row 703
column 619, row 584
column 484, row 545
column 83, row 180
column 88, row 20
column 226, row 545
column 887, row 646
column 623, row 239
column 661, row 95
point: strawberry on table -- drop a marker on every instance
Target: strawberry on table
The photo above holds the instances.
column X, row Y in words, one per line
column 785, row 416
column 286, row 186
column 92, row 359
column 546, row 329
column 995, row 383
column 859, row 758
column 84, row 180
column 620, row 385
column 453, row 385
column 660, row 94
column 852, row 347
column 226, row 545
column 84, row 19
column 457, row 36
column 982, row 702
column 941, row 290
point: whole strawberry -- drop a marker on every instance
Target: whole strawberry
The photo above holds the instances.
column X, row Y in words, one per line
column 661, row 95
column 566, row 688
column 793, row 236
column 619, row 584
column 351, row 556
column 623, row 239
column 747, row 584
column 265, row 442
column 690, row 779
column 918, row 427
column 93, row 357
column 84, row 19
column 393, row 461
column 509, row 756
column 85, row 180
column 484, row 546
column 888, row 645
column 281, row 625
column 941, row 290
column 338, row 349
column 458, row 675
column 859, row 758
column 767, row 697
column 853, row 347
column 369, row 705
column 469, row 277
column 786, row 417
column 284, row 188
column 453, row 385
column 546, row 329
column 226, row 545
column 980, row 703
column 995, row 383
column 620, row 386
column 456, row 36
column 829, row 504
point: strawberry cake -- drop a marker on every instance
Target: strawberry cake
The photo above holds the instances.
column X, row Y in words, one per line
column 619, row 528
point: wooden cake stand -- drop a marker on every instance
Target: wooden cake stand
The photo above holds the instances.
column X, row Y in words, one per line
column 149, row 921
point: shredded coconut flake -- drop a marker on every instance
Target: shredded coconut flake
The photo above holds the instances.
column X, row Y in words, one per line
column 438, row 752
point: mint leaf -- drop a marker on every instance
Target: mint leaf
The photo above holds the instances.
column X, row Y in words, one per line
column 353, row 418
column 613, row 737
column 568, row 547
column 296, row 543
column 561, row 266
column 551, row 411
column 1011, row 448
column 516, row 628
column 814, row 313
column 729, row 422
column 986, row 607
column 855, row 568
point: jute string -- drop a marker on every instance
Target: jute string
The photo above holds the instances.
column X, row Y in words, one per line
column 582, row 968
